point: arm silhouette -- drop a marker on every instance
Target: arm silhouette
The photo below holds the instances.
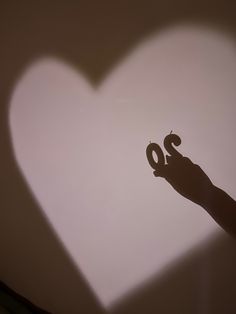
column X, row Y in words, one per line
column 189, row 180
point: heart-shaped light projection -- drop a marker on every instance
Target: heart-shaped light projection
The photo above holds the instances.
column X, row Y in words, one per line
column 82, row 151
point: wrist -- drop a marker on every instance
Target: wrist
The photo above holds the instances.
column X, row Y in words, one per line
column 209, row 197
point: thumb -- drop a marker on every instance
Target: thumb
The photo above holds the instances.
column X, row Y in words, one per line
column 160, row 172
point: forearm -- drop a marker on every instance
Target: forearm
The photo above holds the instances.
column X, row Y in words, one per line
column 222, row 208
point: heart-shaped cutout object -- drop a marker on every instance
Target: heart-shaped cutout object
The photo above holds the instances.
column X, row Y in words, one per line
column 82, row 152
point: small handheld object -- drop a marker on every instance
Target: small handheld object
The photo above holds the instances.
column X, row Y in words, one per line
column 169, row 141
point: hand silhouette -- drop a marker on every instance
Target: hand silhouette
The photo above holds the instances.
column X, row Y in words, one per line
column 189, row 180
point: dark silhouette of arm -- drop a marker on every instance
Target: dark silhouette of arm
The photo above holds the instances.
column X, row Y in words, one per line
column 189, row 180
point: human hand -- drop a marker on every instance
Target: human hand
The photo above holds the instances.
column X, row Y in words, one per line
column 187, row 178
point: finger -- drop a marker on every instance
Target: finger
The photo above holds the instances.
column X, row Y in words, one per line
column 160, row 172
column 168, row 159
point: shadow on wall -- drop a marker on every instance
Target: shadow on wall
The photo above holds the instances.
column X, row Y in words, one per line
column 94, row 37
column 200, row 282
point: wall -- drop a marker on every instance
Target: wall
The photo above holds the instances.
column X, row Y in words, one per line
column 79, row 237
